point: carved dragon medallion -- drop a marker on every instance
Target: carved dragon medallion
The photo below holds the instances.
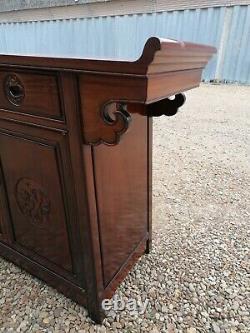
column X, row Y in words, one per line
column 32, row 201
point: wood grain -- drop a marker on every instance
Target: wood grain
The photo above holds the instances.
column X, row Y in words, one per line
column 76, row 162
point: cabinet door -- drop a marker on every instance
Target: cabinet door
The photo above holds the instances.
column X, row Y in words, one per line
column 34, row 168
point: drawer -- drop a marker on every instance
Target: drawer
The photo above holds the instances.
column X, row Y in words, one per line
column 31, row 93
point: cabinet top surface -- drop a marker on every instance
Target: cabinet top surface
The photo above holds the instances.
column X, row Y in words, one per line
column 158, row 56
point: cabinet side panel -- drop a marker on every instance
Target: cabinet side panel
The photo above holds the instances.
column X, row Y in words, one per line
column 121, row 180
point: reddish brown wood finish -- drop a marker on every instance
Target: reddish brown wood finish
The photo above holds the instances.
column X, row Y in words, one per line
column 75, row 206
column 121, row 212
column 33, row 84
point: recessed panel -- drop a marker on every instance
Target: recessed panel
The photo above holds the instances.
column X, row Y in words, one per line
column 33, row 181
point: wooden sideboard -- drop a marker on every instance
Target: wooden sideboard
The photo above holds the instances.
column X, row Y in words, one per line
column 75, row 162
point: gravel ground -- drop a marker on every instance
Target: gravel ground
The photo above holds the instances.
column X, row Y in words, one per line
column 197, row 277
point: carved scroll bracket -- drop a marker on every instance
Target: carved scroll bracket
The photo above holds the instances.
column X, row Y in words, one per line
column 107, row 103
column 167, row 107
column 112, row 122
column 116, row 119
column 106, row 106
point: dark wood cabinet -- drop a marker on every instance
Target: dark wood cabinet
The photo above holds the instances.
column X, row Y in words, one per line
column 75, row 162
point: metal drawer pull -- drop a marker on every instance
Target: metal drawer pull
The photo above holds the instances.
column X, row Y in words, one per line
column 14, row 90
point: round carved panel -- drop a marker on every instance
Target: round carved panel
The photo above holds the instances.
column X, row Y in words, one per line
column 32, row 200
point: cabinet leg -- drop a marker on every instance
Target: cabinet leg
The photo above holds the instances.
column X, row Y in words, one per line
column 96, row 312
column 149, row 245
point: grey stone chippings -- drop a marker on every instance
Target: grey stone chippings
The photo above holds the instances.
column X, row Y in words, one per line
column 197, row 276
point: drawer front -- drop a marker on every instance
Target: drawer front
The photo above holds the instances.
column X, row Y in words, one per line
column 31, row 93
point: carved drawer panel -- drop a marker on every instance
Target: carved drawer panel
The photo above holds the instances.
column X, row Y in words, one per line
column 30, row 93
column 33, row 177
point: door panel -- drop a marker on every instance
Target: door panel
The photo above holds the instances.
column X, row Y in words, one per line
column 32, row 171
